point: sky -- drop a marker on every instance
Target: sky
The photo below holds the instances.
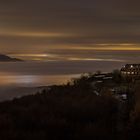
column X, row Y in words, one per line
column 70, row 29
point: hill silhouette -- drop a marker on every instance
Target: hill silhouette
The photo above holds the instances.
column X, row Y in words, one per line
column 69, row 112
column 5, row 58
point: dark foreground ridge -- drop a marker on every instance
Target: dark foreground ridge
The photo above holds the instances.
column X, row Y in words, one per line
column 5, row 58
column 99, row 106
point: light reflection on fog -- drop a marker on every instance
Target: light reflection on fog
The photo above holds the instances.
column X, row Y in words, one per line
column 33, row 80
column 49, row 73
column 23, row 78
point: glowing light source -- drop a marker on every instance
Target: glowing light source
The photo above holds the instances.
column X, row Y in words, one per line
column 131, row 66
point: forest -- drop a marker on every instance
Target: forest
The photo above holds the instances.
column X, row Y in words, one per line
column 70, row 112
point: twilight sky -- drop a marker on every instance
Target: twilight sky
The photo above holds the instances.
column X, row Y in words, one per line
column 60, row 29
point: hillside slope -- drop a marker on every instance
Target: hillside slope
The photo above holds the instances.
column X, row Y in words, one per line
column 5, row 58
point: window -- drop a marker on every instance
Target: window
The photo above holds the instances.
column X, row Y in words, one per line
column 128, row 72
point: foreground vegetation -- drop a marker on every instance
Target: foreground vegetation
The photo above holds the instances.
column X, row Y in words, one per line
column 69, row 112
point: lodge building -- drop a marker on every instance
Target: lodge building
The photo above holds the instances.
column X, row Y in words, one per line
column 131, row 70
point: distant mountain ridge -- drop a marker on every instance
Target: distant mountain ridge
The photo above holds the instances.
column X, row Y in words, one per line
column 5, row 58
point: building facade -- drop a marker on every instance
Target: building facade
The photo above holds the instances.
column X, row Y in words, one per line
column 131, row 70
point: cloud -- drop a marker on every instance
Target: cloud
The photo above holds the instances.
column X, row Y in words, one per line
column 40, row 25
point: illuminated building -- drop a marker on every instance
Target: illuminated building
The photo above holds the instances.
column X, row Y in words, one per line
column 131, row 70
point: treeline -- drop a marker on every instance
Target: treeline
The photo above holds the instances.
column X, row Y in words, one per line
column 66, row 112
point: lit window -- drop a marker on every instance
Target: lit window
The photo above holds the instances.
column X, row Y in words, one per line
column 132, row 72
column 128, row 72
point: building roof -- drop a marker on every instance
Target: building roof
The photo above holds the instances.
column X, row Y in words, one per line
column 130, row 67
